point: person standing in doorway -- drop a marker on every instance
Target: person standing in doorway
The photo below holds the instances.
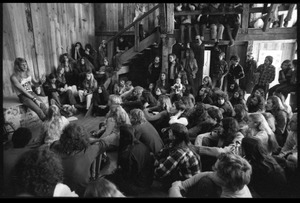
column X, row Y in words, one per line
column 266, row 74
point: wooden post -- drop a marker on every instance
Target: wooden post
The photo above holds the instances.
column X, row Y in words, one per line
column 136, row 36
column 166, row 13
column 245, row 19
column 269, row 17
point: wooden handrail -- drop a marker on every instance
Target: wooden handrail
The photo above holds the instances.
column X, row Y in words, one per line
column 181, row 13
column 133, row 23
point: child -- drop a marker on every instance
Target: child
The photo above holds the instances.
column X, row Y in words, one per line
column 177, row 90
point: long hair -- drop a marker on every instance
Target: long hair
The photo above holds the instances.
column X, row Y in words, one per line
column 148, row 97
column 137, row 117
column 209, row 83
column 272, row 145
column 37, row 172
column 165, row 102
column 240, row 112
column 52, row 125
column 234, row 170
column 277, row 104
column 73, row 139
column 17, row 67
column 257, row 154
column 119, row 115
column 92, row 82
column 191, row 57
column 127, row 142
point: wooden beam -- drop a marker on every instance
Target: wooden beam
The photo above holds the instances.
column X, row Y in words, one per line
column 162, row 18
column 260, row 9
column 197, row 12
column 136, row 37
column 276, row 34
column 269, row 17
column 112, row 33
column 256, row 34
column 245, row 18
column 170, row 18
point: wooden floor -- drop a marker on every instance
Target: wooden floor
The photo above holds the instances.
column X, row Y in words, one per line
column 92, row 123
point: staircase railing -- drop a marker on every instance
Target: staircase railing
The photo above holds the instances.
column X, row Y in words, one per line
column 136, row 33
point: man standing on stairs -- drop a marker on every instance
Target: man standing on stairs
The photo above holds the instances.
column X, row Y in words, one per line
column 122, row 46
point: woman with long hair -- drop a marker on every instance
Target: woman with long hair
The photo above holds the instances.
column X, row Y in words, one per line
column 77, row 156
column 275, row 107
column 161, row 116
column 22, row 82
column 116, row 117
column 70, row 71
column 259, row 127
column 53, row 125
column 83, row 66
column 163, row 83
column 204, row 95
column 89, row 86
column 268, row 179
column 77, row 51
column 145, row 131
column 190, row 66
column 100, row 101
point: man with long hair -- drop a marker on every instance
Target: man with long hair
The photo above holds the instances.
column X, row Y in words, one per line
column 22, row 83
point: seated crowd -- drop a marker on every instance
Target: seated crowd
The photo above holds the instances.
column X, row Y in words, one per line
column 210, row 142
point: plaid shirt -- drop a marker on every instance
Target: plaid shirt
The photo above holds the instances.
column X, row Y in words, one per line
column 181, row 159
column 267, row 74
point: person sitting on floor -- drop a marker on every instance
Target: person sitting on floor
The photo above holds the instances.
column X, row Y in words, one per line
column 99, row 101
column 89, row 85
column 176, row 161
column 231, row 174
column 134, row 175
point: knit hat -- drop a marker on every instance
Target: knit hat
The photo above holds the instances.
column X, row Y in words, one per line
column 270, row 58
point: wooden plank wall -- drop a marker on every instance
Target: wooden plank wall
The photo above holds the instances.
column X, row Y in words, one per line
column 41, row 32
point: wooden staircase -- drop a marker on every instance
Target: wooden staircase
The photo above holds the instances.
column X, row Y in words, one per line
column 139, row 46
column 144, row 44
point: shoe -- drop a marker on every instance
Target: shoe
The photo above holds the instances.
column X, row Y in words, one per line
column 231, row 43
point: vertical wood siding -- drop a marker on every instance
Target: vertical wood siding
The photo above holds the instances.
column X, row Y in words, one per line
column 41, row 32
column 113, row 17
